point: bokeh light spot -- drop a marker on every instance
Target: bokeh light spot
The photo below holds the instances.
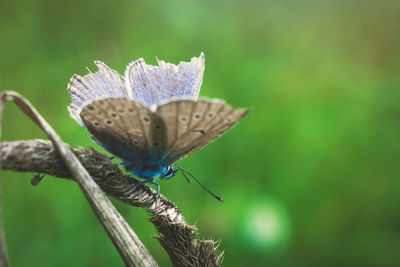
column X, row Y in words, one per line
column 266, row 225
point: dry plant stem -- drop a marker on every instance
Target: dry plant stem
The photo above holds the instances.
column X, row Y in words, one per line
column 127, row 243
column 3, row 253
column 176, row 236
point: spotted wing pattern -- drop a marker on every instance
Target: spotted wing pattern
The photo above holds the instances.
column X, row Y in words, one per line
column 155, row 85
column 134, row 133
column 193, row 124
column 126, row 128
column 104, row 83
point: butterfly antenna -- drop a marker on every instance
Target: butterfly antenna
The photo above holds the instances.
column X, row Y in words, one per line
column 194, row 178
column 184, row 175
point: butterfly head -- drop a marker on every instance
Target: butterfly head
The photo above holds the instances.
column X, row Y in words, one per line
column 170, row 173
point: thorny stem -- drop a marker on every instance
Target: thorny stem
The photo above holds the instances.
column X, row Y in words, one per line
column 3, row 253
column 176, row 236
column 125, row 240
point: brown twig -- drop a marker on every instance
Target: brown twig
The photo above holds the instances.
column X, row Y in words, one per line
column 125, row 240
column 176, row 236
column 3, row 252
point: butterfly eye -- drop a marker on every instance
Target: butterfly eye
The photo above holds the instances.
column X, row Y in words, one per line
column 171, row 172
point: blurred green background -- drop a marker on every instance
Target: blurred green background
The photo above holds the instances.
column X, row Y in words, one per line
column 310, row 177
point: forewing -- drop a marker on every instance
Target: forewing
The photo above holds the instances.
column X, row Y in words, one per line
column 101, row 84
column 155, row 85
column 193, row 124
column 125, row 128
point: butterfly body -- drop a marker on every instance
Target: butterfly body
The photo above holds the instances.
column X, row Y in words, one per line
column 153, row 118
column 146, row 169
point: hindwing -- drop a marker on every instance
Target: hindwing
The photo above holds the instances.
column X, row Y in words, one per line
column 190, row 125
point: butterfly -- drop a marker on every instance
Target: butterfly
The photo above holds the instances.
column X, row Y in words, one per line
column 150, row 118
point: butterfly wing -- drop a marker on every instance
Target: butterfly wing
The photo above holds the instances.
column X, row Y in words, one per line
column 157, row 84
column 132, row 132
column 193, row 124
column 126, row 128
column 101, row 84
